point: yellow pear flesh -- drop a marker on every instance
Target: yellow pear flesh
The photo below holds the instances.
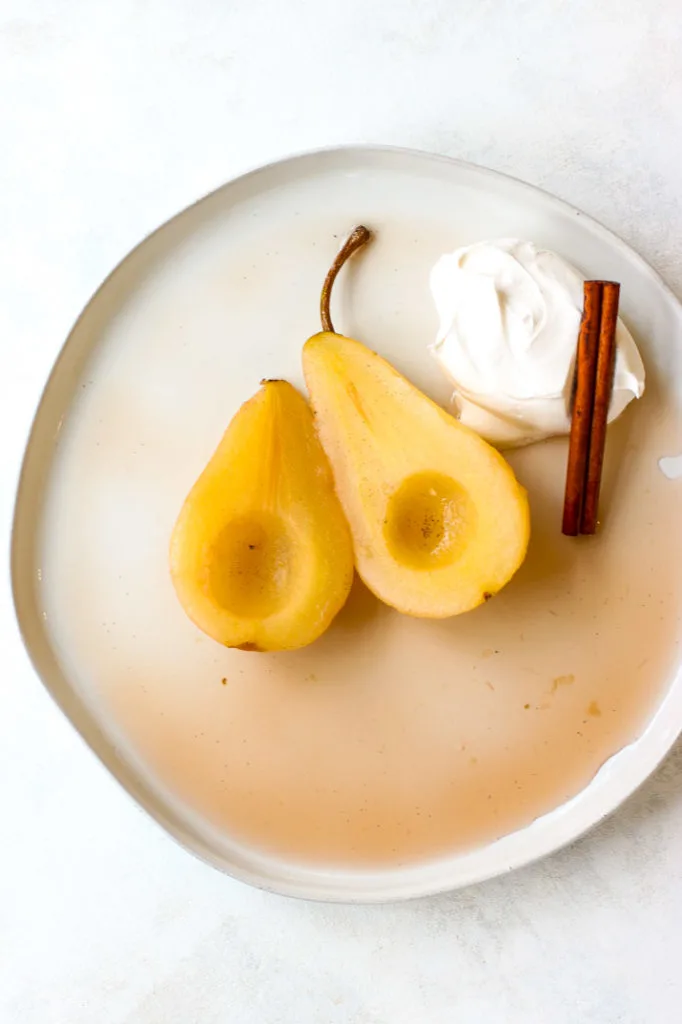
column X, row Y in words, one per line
column 261, row 555
column 439, row 522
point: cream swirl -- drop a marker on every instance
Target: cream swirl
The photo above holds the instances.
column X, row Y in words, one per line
column 509, row 322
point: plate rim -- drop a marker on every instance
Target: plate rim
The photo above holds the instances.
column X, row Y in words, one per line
column 318, row 886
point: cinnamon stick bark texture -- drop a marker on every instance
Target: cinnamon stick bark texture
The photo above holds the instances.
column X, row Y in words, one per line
column 606, row 361
column 583, row 408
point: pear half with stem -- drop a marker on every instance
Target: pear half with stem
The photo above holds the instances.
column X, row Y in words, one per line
column 439, row 522
column 261, row 554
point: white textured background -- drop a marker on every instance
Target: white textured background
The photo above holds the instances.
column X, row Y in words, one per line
column 114, row 114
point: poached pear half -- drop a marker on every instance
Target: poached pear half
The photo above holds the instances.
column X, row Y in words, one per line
column 261, row 555
column 439, row 522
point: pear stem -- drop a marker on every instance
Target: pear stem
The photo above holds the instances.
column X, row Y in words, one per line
column 356, row 239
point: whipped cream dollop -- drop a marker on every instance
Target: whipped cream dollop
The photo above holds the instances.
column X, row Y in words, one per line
column 509, row 323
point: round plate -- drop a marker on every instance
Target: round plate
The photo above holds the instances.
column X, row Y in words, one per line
column 174, row 340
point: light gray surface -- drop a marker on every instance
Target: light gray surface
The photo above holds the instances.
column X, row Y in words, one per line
column 112, row 116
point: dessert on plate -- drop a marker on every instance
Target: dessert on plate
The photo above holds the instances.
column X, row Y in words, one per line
column 378, row 475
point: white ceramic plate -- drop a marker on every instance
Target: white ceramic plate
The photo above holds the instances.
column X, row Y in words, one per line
column 175, row 339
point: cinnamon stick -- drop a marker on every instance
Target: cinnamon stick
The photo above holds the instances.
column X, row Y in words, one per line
column 583, row 408
column 602, row 400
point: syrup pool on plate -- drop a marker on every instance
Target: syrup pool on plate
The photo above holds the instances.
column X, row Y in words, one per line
column 390, row 740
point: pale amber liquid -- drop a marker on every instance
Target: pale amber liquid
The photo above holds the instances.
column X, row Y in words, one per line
column 394, row 739
column 390, row 740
